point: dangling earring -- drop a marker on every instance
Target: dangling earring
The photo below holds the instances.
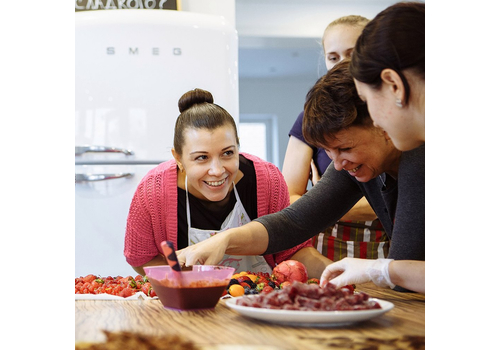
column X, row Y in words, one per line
column 398, row 103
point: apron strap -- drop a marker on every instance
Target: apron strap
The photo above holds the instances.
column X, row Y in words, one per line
column 236, row 193
column 188, row 210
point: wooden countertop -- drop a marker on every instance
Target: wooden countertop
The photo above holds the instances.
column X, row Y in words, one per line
column 402, row 327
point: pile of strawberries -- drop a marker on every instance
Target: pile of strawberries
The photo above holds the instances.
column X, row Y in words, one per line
column 120, row 286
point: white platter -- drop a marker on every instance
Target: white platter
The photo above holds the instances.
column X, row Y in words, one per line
column 104, row 296
column 310, row 318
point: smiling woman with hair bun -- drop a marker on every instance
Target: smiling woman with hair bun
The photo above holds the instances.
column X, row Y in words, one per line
column 207, row 188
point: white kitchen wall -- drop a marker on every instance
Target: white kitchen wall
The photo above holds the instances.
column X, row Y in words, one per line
column 223, row 8
column 283, row 97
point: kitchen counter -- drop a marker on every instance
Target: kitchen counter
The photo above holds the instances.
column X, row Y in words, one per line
column 400, row 328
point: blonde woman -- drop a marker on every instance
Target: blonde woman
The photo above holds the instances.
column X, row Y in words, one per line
column 358, row 233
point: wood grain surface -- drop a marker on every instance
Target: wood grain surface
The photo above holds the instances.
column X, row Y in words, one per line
column 222, row 328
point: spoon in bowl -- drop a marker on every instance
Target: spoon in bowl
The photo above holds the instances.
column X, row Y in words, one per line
column 169, row 251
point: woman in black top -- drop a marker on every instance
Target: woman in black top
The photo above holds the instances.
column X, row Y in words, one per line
column 388, row 66
column 365, row 162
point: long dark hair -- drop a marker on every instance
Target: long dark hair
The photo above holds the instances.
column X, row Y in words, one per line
column 198, row 111
column 394, row 39
column 333, row 105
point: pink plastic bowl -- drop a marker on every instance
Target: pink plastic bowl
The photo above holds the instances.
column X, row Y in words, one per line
column 200, row 288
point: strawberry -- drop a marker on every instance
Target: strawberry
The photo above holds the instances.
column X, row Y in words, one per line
column 126, row 292
column 351, row 287
column 267, row 289
column 285, row 284
column 242, row 279
column 313, row 280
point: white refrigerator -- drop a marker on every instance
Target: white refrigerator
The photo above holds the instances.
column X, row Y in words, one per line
column 131, row 68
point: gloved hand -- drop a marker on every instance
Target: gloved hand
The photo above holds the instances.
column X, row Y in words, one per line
column 356, row 271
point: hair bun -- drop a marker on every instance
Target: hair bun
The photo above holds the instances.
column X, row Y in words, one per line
column 194, row 97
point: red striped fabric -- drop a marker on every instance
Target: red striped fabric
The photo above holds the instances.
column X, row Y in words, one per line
column 362, row 250
column 349, row 239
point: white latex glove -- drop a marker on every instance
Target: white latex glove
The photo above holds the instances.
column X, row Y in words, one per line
column 356, row 271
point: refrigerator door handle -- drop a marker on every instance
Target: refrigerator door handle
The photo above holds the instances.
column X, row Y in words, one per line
column 100, row 177
column 79, row 150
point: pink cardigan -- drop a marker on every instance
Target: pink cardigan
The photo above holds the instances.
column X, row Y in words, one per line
column 152, row 217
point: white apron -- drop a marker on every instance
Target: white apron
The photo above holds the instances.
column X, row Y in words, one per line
column 236, row 218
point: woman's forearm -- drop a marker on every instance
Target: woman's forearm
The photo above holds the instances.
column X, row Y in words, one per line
column 362, row 211
column 249, row 239
column 313, row 260
column 409, row 274
column 296, row 167
column 157, row 260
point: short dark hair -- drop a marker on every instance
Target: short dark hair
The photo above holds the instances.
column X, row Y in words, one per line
column 333, row 105
column 394, row 39
column 198, row 111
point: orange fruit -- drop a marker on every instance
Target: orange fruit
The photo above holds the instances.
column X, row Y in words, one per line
column 252, row 277
column 236, row 290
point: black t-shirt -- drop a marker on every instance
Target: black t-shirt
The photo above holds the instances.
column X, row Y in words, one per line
column 209, row 215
